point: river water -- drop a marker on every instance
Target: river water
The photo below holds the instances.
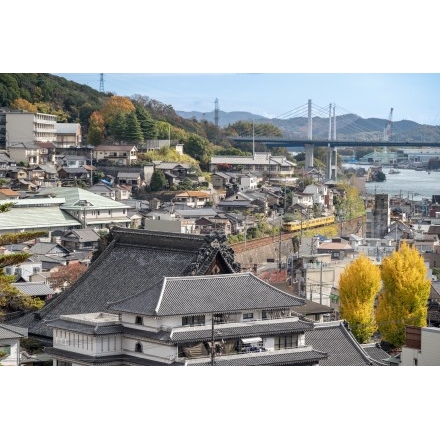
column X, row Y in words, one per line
column 411, row 184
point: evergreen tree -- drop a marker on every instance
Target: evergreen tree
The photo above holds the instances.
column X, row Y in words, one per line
column 133, row 132
column 359, row 284
column 403, row 300
column 148, row 126
column 118, row 127
column 158, row 181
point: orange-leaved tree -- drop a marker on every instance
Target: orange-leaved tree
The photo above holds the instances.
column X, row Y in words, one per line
column 358, row 286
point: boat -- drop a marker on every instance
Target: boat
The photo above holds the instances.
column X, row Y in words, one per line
column 393, row 171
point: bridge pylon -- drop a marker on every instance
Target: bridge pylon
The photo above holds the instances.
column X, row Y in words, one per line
column 332, row 163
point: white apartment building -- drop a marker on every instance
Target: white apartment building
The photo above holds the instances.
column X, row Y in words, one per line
column 23, row 127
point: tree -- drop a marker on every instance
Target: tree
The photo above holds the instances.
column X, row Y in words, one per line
column 96, row 131
column 11, row 299
column 133, row 133
column 158, row 181
column 118, row 126
column 404, row 297
column 115, row 105
column 359, row 285
column 65, row 276
column 148, row 126
column 22, row 104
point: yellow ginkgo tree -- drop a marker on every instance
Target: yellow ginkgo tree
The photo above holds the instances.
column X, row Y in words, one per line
column 359, row 285
column 405, row 293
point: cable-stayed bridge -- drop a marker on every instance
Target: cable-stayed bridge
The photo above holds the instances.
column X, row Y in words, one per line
column 309, row 126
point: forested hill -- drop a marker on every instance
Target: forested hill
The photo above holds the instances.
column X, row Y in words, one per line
column 73, row 102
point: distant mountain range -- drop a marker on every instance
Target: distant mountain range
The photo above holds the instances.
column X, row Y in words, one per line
column 348, row 127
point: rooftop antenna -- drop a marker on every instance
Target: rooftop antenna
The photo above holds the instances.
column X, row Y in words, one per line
column 101, row 83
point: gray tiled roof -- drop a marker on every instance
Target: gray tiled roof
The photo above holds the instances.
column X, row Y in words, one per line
column 136, row 261
column 11, row 331
column 270, row 358
column 89, row 329
column 336, row 340
column 257, row 328
column 34, row 288
column 204, row 294
column 122, row 359
column 376, row 352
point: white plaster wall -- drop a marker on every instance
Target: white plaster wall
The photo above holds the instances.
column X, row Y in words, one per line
column 86, row 344
column 430, row 346
column 12, row 360
column 150, row 350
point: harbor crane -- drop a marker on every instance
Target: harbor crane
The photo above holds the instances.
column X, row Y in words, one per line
column 387, row 130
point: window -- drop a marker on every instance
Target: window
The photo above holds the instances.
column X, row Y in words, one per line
column 139, row 320
column 285, row 341
column 138, row 347
column 248, row 316
column 5, row 350
column 193, row 320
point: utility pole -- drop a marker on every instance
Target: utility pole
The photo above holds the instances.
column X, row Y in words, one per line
column 320, row 285
column 212, row 341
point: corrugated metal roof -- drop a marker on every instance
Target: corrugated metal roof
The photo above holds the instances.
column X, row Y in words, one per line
column 36, row 218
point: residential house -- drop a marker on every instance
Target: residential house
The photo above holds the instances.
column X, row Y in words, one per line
column 122, row 192
column 50, row 174
column 238, row 202
column 47, row 152
column 237, row 181
column 25, row 153
column 272, row 166
column 166, row 221
column 10, row 337
column 78, row 239
column 36, row 289
column 104, row 190
column 68, row 135
column 117, row 154
column 193, row 199
column 5, row 161
column 322, row 195
column 70, row 161
column 7, row 195
column 72, row 174
column 174, row 172
column 131, row 179
column 209, row 225
column 26, row 269
column 303, row 198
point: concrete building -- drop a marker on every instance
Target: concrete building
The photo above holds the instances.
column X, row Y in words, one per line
column 24, row 127
column 421, row 347
column 378, row 217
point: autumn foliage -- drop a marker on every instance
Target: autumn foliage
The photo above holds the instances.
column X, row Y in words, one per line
column 358, row 286
column 403, row 300
column 65, row 276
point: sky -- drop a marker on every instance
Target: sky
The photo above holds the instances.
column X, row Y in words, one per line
column 260, row 59
column 337, row 52
column 413, row 96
